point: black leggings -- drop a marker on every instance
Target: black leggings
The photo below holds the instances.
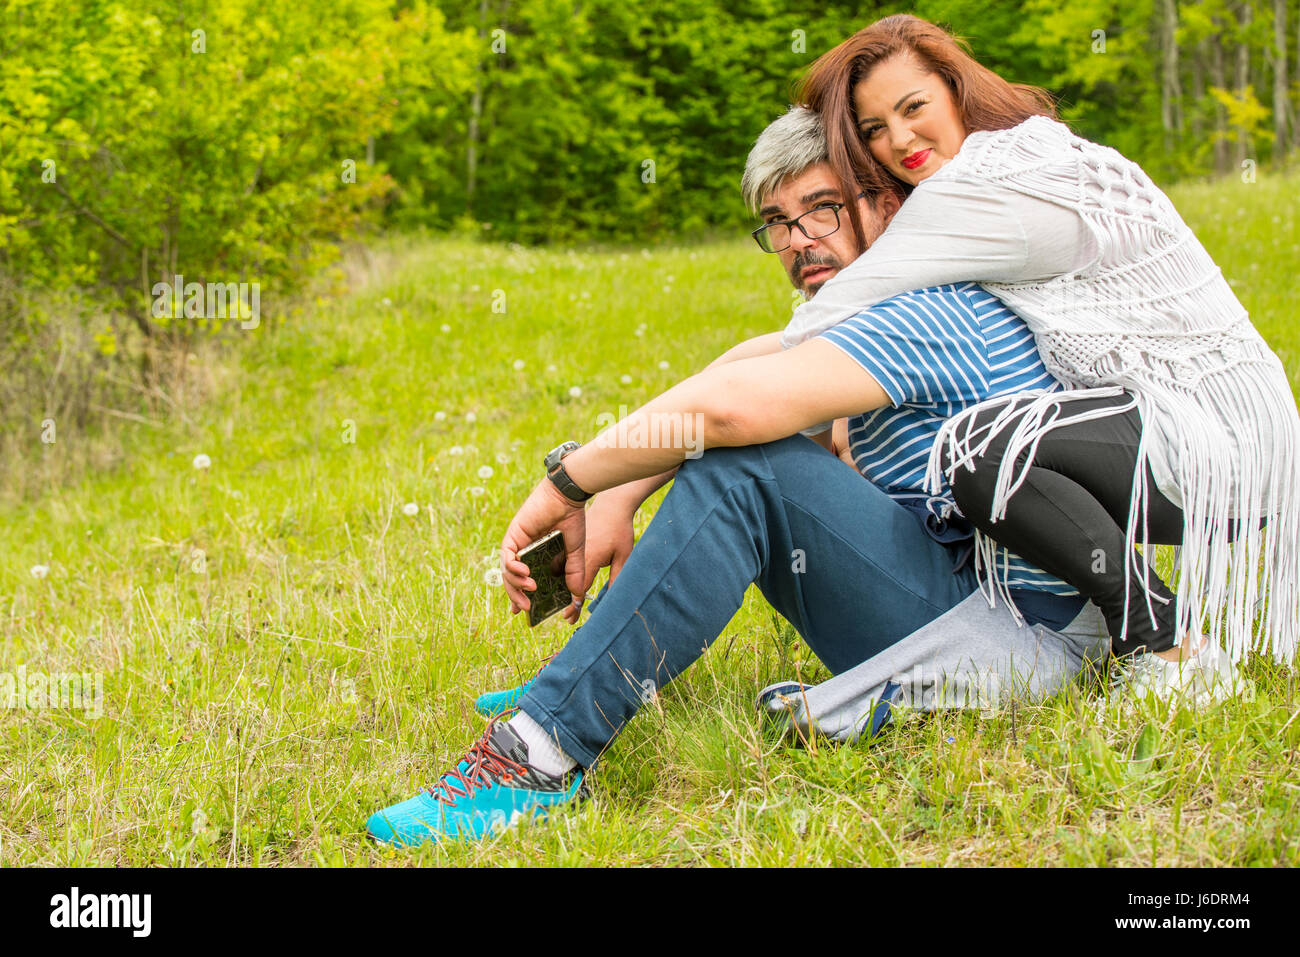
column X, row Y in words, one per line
column 1071, row 514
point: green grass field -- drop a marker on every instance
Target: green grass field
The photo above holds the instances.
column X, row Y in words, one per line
column 284, row 650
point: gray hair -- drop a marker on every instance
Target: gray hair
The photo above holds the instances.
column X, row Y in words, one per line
column 793, row 142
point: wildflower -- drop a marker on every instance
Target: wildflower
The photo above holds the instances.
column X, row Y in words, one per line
column 440, row 416
column 477, row 490
column 493, row 577
column 574, row 392
column 485, row 471
column 40, row 571
column 455, row 450
column 411, row 509
column 625, row 379
column 201, row 461
column 518, row 364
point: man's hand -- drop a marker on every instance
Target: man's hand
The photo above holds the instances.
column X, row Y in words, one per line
column 610, row 537
column 545, row 509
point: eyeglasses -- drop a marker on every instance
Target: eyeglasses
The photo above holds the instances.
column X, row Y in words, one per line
column 818, row 223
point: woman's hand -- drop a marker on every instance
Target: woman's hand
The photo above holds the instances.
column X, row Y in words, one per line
column 545, row 509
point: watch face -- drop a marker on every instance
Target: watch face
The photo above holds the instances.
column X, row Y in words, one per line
column 553, row 457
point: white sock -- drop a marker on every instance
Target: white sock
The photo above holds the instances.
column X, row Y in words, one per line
column 543, row 753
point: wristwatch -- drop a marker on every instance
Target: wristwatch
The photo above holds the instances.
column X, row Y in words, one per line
column 560, row 478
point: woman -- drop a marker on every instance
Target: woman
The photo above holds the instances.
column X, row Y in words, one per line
column 1182, row 427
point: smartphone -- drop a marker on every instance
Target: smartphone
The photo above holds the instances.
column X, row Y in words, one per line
column 545, row 561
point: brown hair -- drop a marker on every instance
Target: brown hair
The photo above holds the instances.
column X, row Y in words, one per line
column 983, row 99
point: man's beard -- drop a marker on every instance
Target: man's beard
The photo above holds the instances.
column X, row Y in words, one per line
column 802, row 261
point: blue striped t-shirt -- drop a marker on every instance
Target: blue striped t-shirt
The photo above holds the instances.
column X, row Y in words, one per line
column 936, row 352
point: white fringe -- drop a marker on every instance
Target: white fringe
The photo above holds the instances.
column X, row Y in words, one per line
column 1215, row 578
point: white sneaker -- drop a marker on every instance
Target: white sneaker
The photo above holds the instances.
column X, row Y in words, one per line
column 1207, row 677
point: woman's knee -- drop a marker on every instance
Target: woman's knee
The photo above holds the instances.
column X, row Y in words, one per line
column 973, row 481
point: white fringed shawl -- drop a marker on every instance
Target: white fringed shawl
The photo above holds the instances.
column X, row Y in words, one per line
column 1151, row 314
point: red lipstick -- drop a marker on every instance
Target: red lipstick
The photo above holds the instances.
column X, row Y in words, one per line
column 917, row 159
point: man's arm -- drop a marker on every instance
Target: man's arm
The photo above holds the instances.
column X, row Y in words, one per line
column 745, row 402
column 632, row 495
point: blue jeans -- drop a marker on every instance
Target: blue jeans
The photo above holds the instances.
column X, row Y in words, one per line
column 851, row 569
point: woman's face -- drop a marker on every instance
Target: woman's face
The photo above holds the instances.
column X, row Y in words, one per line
column 907, row 118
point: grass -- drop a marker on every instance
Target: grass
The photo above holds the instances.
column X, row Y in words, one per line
column 283, row 650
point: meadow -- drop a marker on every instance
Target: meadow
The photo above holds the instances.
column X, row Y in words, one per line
column 284, row 649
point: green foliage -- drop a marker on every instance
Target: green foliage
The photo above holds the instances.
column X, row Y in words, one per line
column 137, row 143
column 1248, row 119
column 216, row 141
column 608, row 119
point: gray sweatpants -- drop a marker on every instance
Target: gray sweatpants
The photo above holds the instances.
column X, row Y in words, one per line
column 973, row 656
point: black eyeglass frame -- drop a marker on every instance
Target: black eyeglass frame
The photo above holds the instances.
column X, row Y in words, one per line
column 792, row 223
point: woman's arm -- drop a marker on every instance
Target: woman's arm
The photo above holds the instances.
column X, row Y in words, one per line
column 952, row 230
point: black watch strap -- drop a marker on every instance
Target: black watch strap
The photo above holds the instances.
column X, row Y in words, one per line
column 559, row 477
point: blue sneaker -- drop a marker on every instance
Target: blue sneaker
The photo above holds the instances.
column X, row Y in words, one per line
column 490, row 790
column 492, row 703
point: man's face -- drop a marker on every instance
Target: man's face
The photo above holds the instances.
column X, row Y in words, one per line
column 811, row 262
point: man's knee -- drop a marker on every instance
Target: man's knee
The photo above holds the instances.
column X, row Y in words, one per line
column 741, row 459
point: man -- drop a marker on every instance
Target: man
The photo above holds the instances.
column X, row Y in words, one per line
column 875, row 574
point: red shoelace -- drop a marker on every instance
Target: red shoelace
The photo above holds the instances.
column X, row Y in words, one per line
column 485, row 765
column 545, row 661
